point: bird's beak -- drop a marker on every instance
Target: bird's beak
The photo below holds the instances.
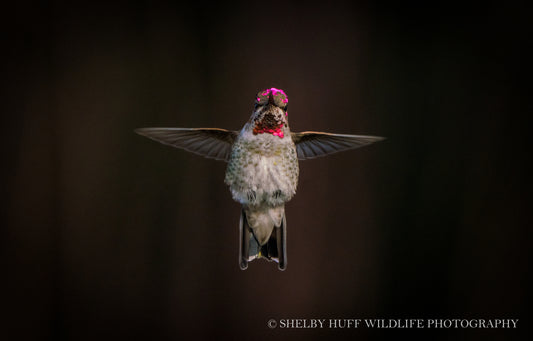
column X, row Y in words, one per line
column 271, row 99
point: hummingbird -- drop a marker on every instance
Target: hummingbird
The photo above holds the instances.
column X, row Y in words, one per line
column 262, row 168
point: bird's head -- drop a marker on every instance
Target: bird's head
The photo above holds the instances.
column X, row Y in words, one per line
column 270, row 113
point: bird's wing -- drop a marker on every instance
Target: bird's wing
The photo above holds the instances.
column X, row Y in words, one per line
column 312, row 144
column 212, row 143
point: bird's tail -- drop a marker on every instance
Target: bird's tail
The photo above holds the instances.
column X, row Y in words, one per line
column 263, row 234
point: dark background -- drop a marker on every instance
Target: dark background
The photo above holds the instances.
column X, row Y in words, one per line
column 108, row 235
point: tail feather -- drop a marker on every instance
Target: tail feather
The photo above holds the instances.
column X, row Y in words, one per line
column 281, row 239
column 273, row 249
column 245, row 242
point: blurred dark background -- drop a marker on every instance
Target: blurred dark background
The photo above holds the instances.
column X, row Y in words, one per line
column 108, row 235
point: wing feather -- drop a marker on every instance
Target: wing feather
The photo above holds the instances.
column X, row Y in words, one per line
column 211, row 143
column 312, row 144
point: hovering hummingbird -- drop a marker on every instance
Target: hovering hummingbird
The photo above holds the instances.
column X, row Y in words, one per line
column 262, row 171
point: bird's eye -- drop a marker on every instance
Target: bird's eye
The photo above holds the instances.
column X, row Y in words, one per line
column 280, row 98
column 262, row 97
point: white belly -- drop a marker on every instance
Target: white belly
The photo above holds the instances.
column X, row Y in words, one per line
column 263, row 169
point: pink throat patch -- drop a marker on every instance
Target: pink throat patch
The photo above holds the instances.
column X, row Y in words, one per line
column 276, row 132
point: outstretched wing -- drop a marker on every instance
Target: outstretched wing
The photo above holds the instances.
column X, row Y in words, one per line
column 212, row 143
column 312, row 144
